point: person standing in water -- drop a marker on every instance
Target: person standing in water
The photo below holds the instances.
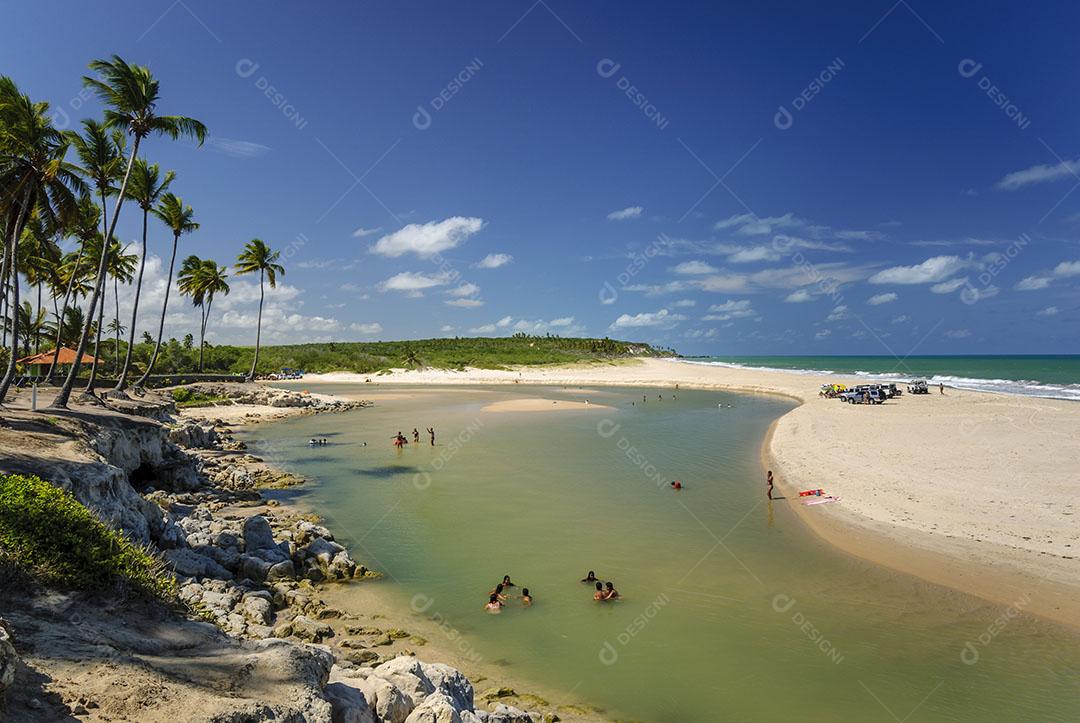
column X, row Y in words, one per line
column 526, row 598
column 415, row 435
column 769, row 481
column 599, row 594
column 431, row 431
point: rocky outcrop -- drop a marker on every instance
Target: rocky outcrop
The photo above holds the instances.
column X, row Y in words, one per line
column 9, row 660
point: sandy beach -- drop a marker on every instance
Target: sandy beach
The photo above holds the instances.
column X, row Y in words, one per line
column 969, row 490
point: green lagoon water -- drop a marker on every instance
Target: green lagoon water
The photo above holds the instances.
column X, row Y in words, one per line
column 731, row 610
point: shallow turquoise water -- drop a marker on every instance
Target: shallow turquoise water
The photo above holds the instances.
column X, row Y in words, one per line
column 731, row 610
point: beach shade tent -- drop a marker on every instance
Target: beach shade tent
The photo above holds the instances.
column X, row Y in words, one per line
column 66, row 357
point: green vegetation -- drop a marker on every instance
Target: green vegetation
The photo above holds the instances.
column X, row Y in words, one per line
column 48, row 533
column 373, row 357
column 187, row 397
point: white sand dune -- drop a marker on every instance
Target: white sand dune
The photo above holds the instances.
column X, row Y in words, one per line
column 978, row 491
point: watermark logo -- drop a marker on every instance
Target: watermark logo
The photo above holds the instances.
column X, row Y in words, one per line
column 422, row 604
column 422, row 119
column 784, row 118
column 422, row 479
column 969, row 68
column 782, row 603
column 607, row 68
column 608, row 293
column 973, row 293
column 609, row 653
column 969, row 653
column 247, row 68
column 608, row 428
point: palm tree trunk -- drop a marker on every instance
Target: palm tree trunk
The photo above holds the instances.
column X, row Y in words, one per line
column 41, row 315
column 63, row 312
column 161, row 326
column 97, row 341
column 13, row 270
column 116, row 347
column 202, row 331
column 121, row 383
column 258, row 328
column 61, row 400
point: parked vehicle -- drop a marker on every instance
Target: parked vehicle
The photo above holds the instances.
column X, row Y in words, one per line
column 918, row 386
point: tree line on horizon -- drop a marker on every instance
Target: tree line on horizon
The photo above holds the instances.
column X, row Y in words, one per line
column 55, row 186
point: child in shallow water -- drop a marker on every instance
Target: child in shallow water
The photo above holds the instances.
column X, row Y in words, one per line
column 506, row 582
column 526, row 598
column 498, row 592
column 599, row 594
column 591, row 577
column 494, row 605
column 611, row 593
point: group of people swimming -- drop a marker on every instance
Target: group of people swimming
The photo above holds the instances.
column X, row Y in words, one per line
column 317, row 441
column 400, row 440
column 500, row 596
column 605, row 591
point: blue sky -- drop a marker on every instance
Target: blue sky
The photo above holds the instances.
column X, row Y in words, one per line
column 774, row 177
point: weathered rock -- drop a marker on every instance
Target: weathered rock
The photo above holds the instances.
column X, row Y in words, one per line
column 349, row 704
column 255, row 608
column 509, row 714
column 189, row 563
column 361, row 656
column 310, row 630
column 9, row 660
column 436, row 708
column 390, row 704
column 258, row 535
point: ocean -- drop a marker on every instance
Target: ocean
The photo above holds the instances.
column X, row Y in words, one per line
column 1055, row 376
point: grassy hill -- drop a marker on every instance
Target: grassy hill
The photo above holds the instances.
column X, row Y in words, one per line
column 372, row 357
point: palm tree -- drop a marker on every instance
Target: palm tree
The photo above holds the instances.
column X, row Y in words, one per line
column 116, row 327
column 121, row 267
column 202, row 279
column 130, row 94
column 257, row 256
column 84, row 227
column 31, row 324
column 33, row 175
column 145, row 188
column 180, row 220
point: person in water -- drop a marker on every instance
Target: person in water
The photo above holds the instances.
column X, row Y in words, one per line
column 431, row 431
column 599, row 594
column 526, row 598
column 494, row 605
column 498, row 592
column 400, row 441
column 591, row 577
column 611, row 593
column 506, row 582
column 676, row 485
column 769, row 481
column 415, row 435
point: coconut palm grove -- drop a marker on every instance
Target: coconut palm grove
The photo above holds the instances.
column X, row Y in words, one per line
column 66, row 189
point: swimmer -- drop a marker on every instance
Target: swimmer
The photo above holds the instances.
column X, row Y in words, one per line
column 506, row 582
column 769, row 481
column 599, row 594
column 526, row 598
column 591, row 577
column 415, row 435
column 676, row 485
column 611, row 593
column 498, row 592
column 494, row 605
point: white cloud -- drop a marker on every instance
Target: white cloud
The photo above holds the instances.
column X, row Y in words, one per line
column 485, row 329
column 1067, row 268
column 237, row 149
column 625, row 213
column 693, row 268
column 879, row 299
column 957, row 333
column 682, row 303
column 823, row 333
column 1048, row 311
column 446, row 328
column 413, row 283
column 730, row 309
column 901, row 319
column 493, row 261
column 838, row 313
column 362, row 232
column 504, row 322
column 428, row 239
column 562, row 322
column 722, row 283
column 752, row 254
column 372, row 328
column 464, row 290
column 935, row 268
column 750, row 225
column 947, row 287
column 1039, row 174
column 799, row 297
column 661, row 318
column 464, row 303
column 1033, row 283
